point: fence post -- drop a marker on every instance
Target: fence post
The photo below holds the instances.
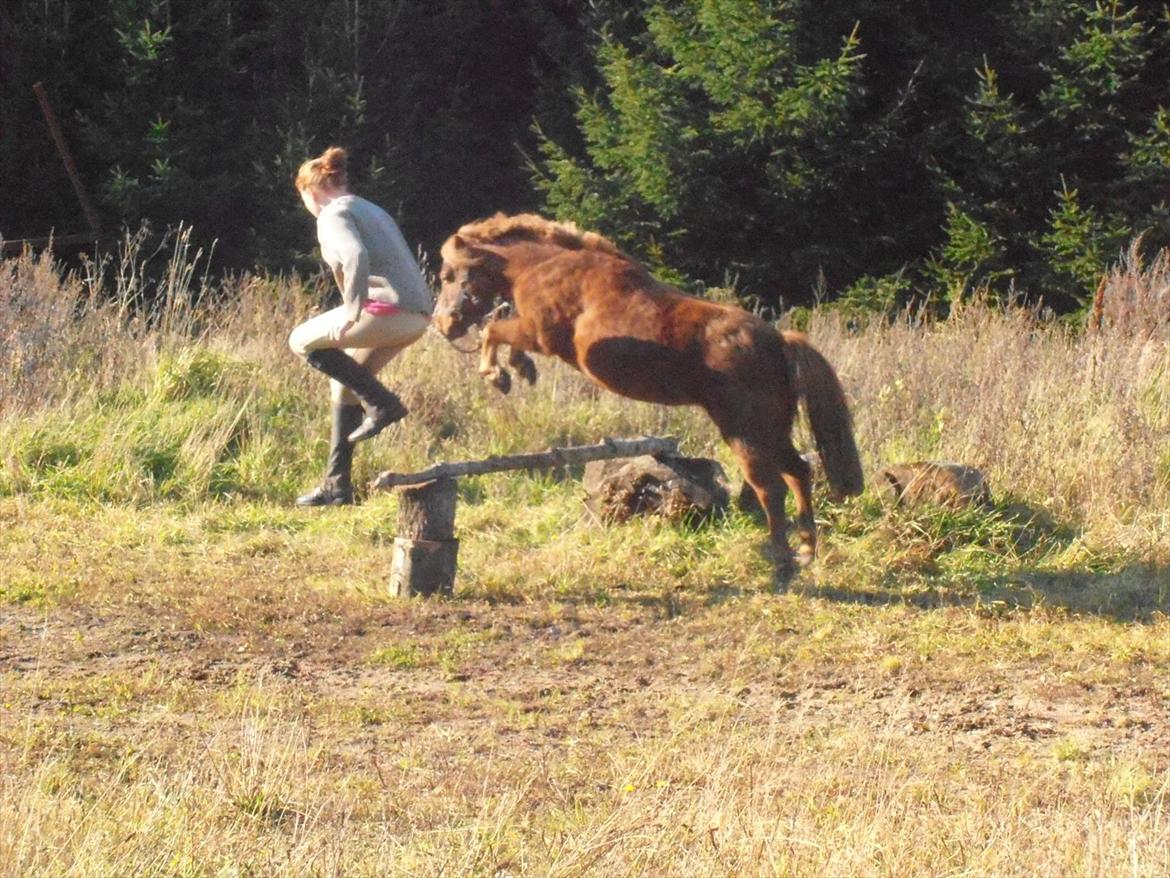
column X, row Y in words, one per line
column 425, row 550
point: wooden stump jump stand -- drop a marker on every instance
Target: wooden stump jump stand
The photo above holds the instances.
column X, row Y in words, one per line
column 426, row 550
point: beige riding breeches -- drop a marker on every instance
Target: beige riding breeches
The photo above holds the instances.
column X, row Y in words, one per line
column 374, row 340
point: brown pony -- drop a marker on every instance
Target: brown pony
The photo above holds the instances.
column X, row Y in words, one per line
column 574, row 295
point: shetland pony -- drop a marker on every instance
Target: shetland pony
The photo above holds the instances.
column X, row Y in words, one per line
column 576, row 296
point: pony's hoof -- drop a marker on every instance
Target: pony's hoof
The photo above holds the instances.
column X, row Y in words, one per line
column 805, row 555
column 502, row 381
column 781, row 557
column 782, row 578
column 526, row 369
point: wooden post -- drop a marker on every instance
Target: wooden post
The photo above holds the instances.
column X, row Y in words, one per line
column 91, row 216
column 425, row 550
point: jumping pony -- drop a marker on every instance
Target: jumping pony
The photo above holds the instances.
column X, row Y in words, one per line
column 576, row 296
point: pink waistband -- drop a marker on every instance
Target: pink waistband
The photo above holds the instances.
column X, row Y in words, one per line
column 380, row 309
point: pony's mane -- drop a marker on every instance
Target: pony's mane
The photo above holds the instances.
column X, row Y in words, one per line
column 504, row 229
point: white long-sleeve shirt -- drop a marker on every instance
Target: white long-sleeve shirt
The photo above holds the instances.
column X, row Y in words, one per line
column 369, row 258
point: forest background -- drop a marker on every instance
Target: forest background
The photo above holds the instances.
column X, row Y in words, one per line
column 863, row 152
column 201, row 679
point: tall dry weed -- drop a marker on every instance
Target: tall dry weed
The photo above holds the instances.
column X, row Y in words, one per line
column 68, row 333
column 1133, row 299
column 1078, row 423
column 37, row 320
column 1075, row 420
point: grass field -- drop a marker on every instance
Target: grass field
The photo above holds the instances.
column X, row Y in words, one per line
column 198, row 679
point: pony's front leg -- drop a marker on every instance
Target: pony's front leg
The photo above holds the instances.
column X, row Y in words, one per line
column 500, row 332
column 523, row 365
column 489, row 364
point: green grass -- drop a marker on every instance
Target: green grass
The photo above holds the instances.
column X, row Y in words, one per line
column 232, row 681
column 198, row 678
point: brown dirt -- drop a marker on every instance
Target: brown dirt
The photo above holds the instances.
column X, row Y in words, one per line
column 632, row 666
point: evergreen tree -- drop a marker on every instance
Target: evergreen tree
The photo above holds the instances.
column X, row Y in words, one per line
column 874, row 148
column 200, row 113
column 1062, row 159
column 718, row 131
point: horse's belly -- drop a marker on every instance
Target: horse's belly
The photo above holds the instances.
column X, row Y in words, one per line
column 646, row 370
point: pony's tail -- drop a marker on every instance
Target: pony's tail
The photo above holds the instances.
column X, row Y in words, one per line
column 824, row 401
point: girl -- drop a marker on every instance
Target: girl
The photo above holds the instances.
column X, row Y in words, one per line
column 385, row 307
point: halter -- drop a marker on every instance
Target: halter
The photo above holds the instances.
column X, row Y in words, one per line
column 500, row 307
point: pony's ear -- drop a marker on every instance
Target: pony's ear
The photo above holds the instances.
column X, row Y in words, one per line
column 461, row 250
column 473, row 252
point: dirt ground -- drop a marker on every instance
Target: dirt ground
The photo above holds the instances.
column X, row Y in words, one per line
column 630, row 664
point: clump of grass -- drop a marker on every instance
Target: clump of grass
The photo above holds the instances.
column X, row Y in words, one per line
column 1074, row 425
column 35, row 588
column 199, row 429
column 205, row 402
column 400, row 656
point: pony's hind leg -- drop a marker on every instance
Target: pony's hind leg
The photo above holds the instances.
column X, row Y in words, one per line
column 762, row 473
column 797, row 475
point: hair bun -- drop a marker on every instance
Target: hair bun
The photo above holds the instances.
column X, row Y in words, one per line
column 327, row 169
column 333, row 160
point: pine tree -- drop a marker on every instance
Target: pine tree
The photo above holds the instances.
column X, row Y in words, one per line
column 1060, row 159
column 716, row 142
column 870, row 148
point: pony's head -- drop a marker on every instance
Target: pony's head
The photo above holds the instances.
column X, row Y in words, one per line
column 473, row 276
column 470, row 283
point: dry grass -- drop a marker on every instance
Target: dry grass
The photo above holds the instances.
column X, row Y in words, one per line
column 197, row 679
column 260, row 709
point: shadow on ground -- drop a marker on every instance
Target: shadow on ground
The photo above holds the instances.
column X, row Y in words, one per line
column 1135, row 594
column 920, row 555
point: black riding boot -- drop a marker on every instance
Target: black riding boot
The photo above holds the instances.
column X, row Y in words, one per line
column 336, row 488
column 383, row 408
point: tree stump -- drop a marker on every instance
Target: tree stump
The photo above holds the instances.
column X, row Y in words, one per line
column 934, row 482
column 425, row 550
column 668, row 485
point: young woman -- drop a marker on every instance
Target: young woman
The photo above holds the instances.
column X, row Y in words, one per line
column 385, row 307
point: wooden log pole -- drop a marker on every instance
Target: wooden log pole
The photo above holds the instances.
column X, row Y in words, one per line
column 553, row 457
column 425, row 551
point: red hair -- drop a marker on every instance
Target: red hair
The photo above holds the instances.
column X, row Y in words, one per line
column 327, row 170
